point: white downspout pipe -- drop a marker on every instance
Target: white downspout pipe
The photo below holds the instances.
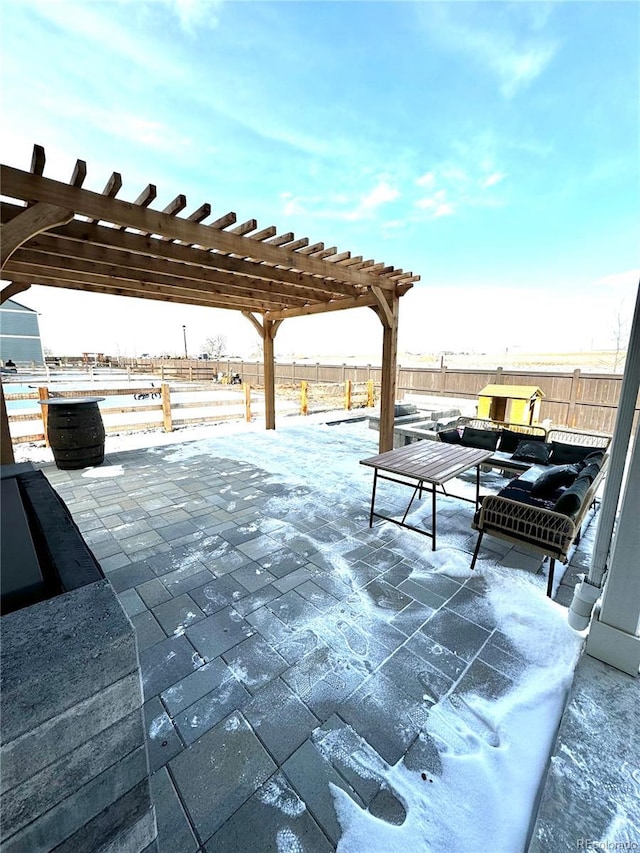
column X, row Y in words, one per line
column 589, row 590
column 614, row 636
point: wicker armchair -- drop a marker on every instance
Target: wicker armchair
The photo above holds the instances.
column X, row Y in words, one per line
column 545, row 531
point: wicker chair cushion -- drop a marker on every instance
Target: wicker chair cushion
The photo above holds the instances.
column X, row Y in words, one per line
column 522, row 491
column 450, row 436
column 571, row 500
column 484, row 439
column 591, row 471
column 549, row 482
column 509, row 439
column 567, row 454
column 532, row 451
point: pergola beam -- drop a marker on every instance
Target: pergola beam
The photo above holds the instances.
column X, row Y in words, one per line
column 91, row 237
column 98, row 243
column 32, row 221
column 334, row 305
column 18, row 184
column 35, row 262
column 213, row 300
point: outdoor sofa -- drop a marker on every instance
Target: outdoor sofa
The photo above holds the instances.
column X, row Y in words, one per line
column 546, row 504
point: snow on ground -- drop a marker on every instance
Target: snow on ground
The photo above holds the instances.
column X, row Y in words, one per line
column 492, row 751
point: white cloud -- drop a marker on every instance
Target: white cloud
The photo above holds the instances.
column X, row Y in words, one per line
column 341, row 205
column 493, row 179
column 518, row 67
column 456, row 184
column 426, row 180
column 380, row 194
column 194, row 14
column 493, row 39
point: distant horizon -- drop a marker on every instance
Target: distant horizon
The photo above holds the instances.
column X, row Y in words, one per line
column 489, row 147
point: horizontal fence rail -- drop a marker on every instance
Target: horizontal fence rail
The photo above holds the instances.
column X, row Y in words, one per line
column 240, row 403
column 583, row 401
column 577, row 399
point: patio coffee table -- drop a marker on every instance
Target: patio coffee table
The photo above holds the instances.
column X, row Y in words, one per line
column 424, row 465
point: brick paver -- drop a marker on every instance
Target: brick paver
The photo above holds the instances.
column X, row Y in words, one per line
column 281, row 648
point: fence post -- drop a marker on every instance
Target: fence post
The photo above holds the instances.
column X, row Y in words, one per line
column 347, row 394
column 43, row 394
column 293, row 373
column 370, row 394
column 162, row 371
column 166, row 407
column 317, row 372
column 304, row 400
column 247, row 402
column 499, row 375
column 573, row 396
column 443, row 377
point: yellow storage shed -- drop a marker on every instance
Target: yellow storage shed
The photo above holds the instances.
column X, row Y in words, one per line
column 517, row 404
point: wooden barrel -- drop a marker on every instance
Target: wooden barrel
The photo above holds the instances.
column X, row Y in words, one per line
column 76, row 432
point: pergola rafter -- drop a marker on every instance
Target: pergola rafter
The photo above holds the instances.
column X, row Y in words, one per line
column 63, row 235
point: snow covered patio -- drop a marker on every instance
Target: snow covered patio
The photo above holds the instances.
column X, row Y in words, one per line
column 312, row 684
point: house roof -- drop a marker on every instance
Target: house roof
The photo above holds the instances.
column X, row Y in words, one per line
column 132, row 248
column 514, row 392
column 12, row 305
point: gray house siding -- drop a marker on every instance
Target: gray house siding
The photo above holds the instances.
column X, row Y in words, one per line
column 19, row 334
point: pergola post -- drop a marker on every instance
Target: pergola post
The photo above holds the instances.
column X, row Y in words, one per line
column 267, row 330
column 387, row 310
column 270, row 329
column 33, row 220
column 6, row 447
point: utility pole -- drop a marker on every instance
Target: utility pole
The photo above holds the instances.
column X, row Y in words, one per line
column 184, row 335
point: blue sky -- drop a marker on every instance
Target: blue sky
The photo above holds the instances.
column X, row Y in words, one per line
column 490, row 147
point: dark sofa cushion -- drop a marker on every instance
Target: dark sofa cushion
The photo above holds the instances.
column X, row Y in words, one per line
column 596, row 456
column 450, row 436
column 509, row 439
column 532, row 451
column 521, row 491
column 591, row 471
column 551, row 480
column 567, row 454
column 571, row 500
column 483, row 439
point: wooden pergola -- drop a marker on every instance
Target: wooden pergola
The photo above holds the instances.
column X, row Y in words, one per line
column 62, row 235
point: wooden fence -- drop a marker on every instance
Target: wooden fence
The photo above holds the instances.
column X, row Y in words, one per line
column 242, row 402
column 576, row 399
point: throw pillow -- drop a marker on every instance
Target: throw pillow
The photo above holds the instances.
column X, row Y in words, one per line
column 532, row 451
column 567, row 454
column 570, row 501
column 483, row 439
column 509, row 439
column 450, row 436
column 549, row 481
column 597, row 456
column 590, row 472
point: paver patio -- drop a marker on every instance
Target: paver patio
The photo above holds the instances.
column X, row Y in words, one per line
column 284, row 647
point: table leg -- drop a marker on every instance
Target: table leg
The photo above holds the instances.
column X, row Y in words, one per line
column 406, row 512
column 373, row 495
column 433, row 514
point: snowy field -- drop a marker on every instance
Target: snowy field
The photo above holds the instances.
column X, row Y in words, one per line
column 492, row 750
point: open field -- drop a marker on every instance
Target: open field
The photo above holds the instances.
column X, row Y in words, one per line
column 598, row 361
